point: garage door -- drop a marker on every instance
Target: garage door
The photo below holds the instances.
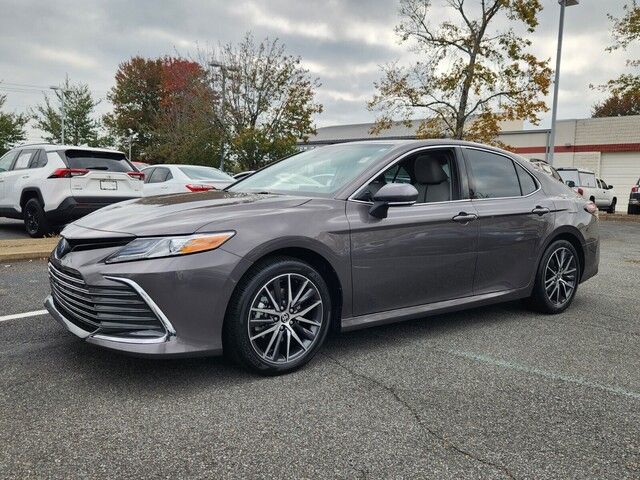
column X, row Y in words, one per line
column 621, row 170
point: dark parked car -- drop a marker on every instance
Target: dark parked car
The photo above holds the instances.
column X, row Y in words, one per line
column 263, row 270
column 634, row 199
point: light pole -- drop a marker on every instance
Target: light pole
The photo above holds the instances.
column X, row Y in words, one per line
column 556, row 83
column 223, row 71
column 62, row 113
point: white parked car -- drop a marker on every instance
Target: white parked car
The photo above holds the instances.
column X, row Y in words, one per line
column 586, row 184
column 165, row 179
column 51, row 185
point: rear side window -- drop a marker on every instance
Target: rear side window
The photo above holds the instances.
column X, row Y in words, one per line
column 494, row 176
column 91, row 160
column 205, row 173
column 39, row 160
column 24, row 159
column 527, row 183
column 587, row 179
column 160, row 175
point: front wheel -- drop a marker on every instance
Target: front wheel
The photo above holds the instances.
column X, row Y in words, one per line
column 278, row 317
column 556, row 279
column 612, row 207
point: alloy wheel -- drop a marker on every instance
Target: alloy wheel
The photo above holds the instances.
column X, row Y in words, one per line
column 31, row 220
column 561, row 276
column 285, row 318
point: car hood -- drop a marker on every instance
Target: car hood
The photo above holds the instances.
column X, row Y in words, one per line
column 183, row 213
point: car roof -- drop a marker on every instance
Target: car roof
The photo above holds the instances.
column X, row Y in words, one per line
column 52, row 147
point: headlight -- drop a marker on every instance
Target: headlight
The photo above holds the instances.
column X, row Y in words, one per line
column 155, row 247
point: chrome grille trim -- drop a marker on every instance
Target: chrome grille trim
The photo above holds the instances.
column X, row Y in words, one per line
column 119, row 313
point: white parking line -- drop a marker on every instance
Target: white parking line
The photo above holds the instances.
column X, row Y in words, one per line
column 16, row 316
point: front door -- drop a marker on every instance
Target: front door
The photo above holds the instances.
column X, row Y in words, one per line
column 418, row 254
column 514, row 219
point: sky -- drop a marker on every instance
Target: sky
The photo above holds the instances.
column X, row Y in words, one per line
column 343, row 43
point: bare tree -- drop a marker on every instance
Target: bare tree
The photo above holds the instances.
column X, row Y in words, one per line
column 470, row 75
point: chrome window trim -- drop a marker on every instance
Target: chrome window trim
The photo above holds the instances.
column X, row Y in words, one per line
column 391, row 164
column 513, row 160
column 169, row 330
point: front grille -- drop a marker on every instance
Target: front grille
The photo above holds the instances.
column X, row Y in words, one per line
column 115, row 310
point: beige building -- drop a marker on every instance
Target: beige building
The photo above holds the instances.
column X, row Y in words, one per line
column 608, row 146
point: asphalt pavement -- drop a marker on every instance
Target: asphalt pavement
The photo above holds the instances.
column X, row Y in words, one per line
column 10, row 229
column 495, row 392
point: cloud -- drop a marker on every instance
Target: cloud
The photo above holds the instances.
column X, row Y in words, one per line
column 69, row 58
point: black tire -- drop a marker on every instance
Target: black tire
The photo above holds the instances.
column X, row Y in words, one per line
column 633, row 210
column 539, row 299
column 237, row 342
column 612, row 207
column 35, row 222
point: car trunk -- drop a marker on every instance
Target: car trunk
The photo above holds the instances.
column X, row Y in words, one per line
column 107, row 175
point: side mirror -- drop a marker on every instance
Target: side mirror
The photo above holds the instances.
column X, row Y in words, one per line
column 390, row 195
column 609, row 187
column 570, row 183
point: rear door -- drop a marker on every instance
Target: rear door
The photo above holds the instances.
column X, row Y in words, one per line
column 158, row 182
column 6, row 162
column 107, row 175
column 14, row 178
column 514, row 219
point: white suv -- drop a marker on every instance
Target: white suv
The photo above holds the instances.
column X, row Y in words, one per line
column 50, row 185
column 586, row 184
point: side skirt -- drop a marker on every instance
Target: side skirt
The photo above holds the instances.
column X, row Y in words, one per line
column 409, row 313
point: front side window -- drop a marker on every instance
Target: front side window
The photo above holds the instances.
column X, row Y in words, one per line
column 6, row 160
column 430, row 171
column 604, row 184
column 493, row 175
column 319, row 172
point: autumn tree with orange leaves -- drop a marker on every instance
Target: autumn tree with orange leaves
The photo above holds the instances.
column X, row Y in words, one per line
column 471, row 73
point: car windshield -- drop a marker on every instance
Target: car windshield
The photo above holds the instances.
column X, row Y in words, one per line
column 206, row 173
column 570, row 176
column 321, row 171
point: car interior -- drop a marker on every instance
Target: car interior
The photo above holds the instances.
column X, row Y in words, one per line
column 428, row 171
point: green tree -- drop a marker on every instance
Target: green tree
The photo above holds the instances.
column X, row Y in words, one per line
column 80, row 126
column 472, row 72
column 268, row 103
column 136, row 100
column 626, row 87
column 11, row 128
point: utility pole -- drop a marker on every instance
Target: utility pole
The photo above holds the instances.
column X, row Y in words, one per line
column 556, row 83
column 223, row 72
column 62, row 112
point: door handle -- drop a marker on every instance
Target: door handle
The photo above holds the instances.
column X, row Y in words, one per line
column 464, row 217
column 540, row 210
column 26, row 176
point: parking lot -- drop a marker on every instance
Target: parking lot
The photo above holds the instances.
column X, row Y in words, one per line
column 496, row 392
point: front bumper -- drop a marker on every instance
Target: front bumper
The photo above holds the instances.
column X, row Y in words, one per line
column 189, row 293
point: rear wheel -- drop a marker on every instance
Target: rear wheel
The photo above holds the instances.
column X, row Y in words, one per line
column 633, row 209
column 35, row 221
column 279, row 316
column 557, row 278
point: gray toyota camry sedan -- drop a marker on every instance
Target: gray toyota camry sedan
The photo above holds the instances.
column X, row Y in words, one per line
column 339, row 237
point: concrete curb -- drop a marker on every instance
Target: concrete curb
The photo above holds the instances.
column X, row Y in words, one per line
column 619, row 217
column 26, row 249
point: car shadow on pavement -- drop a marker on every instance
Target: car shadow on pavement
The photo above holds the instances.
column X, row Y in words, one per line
column 166, row 375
